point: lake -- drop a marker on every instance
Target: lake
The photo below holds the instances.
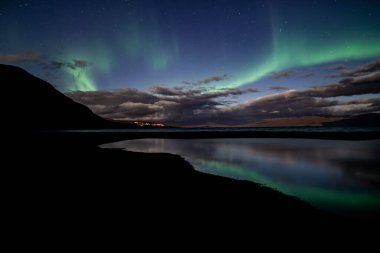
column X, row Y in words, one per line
column 317, row 129
column 335, row 175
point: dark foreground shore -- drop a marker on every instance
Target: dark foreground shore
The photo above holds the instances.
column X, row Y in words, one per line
column 66, row 181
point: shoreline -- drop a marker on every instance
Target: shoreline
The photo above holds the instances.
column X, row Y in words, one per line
column 150, row 186
column 98, row 138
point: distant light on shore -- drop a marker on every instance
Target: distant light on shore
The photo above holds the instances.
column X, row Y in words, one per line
column 139, row 123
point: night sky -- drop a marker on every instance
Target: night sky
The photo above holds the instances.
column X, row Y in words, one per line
column 195, row 63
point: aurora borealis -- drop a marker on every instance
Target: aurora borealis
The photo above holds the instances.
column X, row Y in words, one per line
column 256, row 46
column 312, row 37
column 307, row 169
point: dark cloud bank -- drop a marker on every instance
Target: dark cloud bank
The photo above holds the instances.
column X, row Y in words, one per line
column 359, row 71
column 279, row 88
column 192, row 105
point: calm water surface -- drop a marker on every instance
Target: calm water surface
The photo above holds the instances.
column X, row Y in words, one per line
column 231, row 129
column 340, row 176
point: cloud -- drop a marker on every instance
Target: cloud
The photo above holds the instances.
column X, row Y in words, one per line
column 358, row 71
column 286, row 104
column 306, row 75
column 292, row 104
column 161, row 103
column 73, row 64
column 52, row 66
column 113, row 97
column 176, row 91
column 196, row 92
column 332, row 75
column 283, row 74
column 362, row 70
column 155, row 111
column 367, row 84
column 190, row 105
column 351, row 109
column 208, row 80
column 335, row 67
column 279, row 88
column 322, row 100
column 80, row 64
column 20, row 57
column 373, row 101
column 356, row 106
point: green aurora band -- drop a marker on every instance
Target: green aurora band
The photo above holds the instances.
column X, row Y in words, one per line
column 292, row 51
column 146, row 45
column 139, row 45
column 82, row 79
column 326, row 198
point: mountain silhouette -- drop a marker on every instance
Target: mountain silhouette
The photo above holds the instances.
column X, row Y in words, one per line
column 79, row 182
column 362, row 120
column 37, row 105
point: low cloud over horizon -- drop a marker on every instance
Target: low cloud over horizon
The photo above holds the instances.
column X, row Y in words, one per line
column 28, row 56
column 73, row 64
column 194, row 105
column 208, row 80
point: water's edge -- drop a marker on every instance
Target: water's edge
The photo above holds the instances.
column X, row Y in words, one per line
column 306, row 169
